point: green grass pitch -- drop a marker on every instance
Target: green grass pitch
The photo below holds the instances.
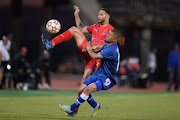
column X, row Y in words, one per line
column 43, row 105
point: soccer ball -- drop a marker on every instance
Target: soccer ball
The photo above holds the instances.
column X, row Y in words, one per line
column 53, row 26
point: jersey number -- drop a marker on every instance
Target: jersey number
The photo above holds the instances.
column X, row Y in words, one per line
column 107, row 82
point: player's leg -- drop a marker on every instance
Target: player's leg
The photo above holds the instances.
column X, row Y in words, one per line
column 87, row 72
column 88, row 81
column 73, row 31
column 72, row 111
column 95, row 106
column 86, row 95
column 87, row 88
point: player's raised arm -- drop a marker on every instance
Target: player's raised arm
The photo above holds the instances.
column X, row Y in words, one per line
column 79, row 24
column 93, row 54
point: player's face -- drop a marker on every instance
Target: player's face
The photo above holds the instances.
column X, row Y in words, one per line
column 102, row 16
column 110, row 37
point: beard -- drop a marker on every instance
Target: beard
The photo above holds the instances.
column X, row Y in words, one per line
column 101, row 21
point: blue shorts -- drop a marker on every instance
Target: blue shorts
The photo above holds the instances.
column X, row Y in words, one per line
column 101, row 81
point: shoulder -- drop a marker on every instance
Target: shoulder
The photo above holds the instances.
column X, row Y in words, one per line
column 104, row 46
column 95, row 25
column 110, row 27
column 114, row 48
column 111, row 48
column 92, row 26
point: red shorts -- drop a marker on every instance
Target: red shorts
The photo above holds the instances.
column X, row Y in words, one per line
column 90, row 62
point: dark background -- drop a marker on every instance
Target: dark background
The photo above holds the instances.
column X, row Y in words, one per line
column 24, row 22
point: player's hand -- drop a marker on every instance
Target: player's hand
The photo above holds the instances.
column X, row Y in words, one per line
column 77, row 10
column 95, row 48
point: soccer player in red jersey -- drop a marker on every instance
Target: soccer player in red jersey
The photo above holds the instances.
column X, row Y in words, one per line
column 99, row 32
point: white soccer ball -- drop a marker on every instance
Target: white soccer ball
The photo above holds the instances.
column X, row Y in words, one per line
column 53, row 26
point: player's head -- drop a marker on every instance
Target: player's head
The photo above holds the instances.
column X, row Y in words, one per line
column 104, row 15
column 115, row 36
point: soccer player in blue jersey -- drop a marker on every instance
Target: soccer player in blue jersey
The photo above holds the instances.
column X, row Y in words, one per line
column 105, row 77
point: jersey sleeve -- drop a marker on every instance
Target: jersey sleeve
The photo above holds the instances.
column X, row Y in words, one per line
column 90, row 28
column 107, row 53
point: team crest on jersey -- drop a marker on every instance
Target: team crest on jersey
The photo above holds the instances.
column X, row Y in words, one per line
column 104, row 32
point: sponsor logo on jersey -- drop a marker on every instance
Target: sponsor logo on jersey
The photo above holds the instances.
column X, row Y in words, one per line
column 104, row 32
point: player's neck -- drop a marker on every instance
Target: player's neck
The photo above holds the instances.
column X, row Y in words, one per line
column 108, row 44
column 105, row 23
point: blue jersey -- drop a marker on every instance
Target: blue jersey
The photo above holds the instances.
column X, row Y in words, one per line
column 110, row 62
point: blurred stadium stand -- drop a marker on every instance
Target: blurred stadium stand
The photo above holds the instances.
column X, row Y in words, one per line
column 26, row 19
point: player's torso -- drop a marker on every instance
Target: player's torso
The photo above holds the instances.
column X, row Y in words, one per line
column 110, row 66
column 99, row 34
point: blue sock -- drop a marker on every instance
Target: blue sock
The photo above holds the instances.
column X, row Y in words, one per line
column 91, row 101
column 79, row 101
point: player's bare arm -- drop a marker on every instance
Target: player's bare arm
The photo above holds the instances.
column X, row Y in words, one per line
column 97, row 48
column 79, row 24
column 93, row 54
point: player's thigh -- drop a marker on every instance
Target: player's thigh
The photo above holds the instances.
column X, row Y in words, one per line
column 90, row 79
column 78, row 35
column 103, row 82
column 107, row 83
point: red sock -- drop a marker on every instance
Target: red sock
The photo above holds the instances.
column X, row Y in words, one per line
column 77, row 97
column 61, row 38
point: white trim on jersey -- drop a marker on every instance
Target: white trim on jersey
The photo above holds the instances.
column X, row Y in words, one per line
column 117, row 67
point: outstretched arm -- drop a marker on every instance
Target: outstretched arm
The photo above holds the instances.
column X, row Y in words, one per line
column 93, row 54
column 79, row 24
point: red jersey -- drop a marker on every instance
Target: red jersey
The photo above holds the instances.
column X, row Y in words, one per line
column 99, row 33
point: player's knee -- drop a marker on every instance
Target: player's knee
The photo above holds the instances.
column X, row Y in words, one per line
column 74, row 29
column 88, row 90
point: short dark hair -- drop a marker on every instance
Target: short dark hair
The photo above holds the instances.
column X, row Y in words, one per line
column 107, row 11
column 117, row 34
